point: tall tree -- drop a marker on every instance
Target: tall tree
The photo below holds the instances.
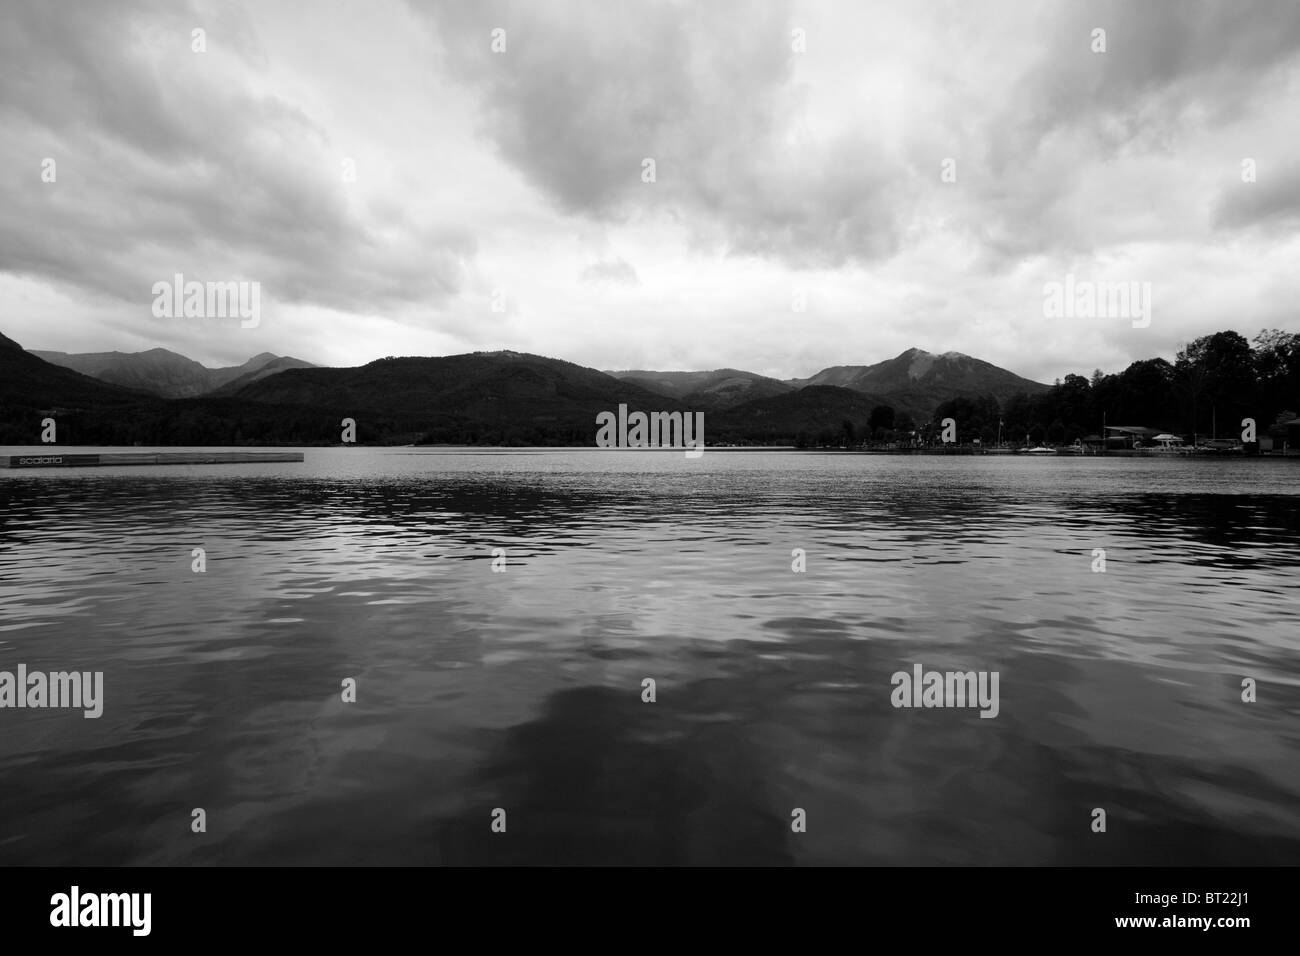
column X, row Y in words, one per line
column 1219, row 371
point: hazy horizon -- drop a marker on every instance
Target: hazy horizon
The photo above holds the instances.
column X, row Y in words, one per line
column 606, row 369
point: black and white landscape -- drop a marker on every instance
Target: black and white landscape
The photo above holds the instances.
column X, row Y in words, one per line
column 655, row 433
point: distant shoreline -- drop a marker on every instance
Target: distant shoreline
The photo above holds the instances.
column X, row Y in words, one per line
column 936, row 451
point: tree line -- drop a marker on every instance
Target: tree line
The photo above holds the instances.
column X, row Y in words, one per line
column 1214, row 383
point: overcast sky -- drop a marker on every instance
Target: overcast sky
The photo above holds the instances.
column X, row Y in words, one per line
column 520, row 174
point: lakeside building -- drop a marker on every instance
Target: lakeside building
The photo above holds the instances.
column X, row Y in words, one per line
column 1130, row 436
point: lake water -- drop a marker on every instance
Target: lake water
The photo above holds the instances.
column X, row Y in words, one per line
column 522, row 689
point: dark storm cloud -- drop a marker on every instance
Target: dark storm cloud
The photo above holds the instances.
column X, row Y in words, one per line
column 1167, row 63
column 585, row 92
column 1171, row 71
column 167, row 161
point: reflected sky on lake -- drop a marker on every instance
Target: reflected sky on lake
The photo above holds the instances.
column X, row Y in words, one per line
column 522, row 690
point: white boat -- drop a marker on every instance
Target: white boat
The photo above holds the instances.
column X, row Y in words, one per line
column 1169, row 445
column 1040, row 450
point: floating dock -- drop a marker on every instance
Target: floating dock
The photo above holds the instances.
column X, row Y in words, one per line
column 56, row 460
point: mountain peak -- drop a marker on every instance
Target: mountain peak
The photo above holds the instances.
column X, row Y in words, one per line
column 915, row 353
column 916, row 381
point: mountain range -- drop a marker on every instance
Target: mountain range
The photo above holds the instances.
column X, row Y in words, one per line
column 915, row 383
column 169, row 374
column 503, row 397
column 30, row 381
column 708, row 391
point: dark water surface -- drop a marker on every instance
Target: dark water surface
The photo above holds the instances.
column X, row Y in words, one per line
column 522, row 690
